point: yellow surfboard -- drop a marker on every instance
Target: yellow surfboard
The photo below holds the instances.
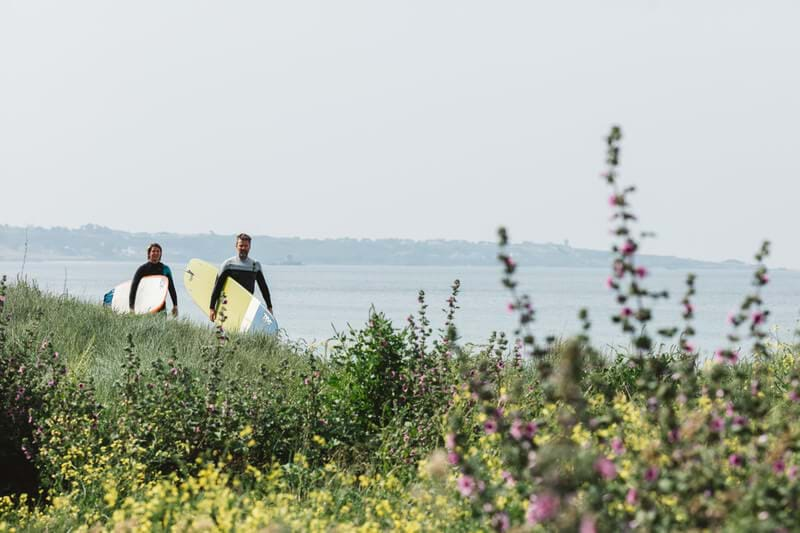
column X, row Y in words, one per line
column 237, row 309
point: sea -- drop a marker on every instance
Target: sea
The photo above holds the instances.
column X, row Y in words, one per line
column 314, row 302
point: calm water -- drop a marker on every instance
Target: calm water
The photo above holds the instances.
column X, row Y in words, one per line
column 310, row 301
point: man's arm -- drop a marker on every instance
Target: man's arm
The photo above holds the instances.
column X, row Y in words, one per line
column 134, row 286
column 262, row 284
column 216, row 292
column 172, row 293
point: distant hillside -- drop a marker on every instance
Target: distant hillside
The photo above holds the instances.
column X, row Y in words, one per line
column 92, row 242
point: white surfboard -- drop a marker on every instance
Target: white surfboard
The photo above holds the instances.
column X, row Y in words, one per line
column 151, row 295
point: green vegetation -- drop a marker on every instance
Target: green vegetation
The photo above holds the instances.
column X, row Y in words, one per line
column 130, row 423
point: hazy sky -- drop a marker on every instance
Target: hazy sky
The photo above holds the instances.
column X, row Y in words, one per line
column 413, row 119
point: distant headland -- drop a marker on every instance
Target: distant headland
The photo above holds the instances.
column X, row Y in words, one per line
column 98, row 243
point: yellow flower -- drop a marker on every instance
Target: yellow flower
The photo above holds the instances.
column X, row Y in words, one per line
column 669, row 500
column 580, row 435
column 111, row 495
column 383, row 508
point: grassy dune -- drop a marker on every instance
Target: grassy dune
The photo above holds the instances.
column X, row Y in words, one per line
column 93, row 338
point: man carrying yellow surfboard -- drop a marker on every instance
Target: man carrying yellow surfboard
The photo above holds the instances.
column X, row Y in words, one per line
column 244, row 270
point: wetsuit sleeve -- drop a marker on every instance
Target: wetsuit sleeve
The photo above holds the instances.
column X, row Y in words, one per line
column 262, row 284
column 135, row 285
column 172, row 293
column 218, row 288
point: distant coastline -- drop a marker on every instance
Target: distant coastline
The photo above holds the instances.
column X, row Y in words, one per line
column 98, row 243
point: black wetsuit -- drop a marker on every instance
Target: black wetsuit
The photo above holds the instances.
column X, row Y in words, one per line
column 247, row 273
column 153, row 269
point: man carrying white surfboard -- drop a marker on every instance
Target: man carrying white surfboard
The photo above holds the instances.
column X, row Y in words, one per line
column 154, row 267
column 244, row 270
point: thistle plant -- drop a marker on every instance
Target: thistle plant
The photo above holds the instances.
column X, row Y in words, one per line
column 449, row 334
column 521, row 304
column 750, row 312
column 688, row 315
column 627, row 275
column 420, row 328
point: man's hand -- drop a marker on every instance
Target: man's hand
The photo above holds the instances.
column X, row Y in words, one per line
column 174, row 310
column 212, row 314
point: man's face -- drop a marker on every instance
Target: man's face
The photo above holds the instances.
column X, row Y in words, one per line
column 154, row 255
column 242, row 248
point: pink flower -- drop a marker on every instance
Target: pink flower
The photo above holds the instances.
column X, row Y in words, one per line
column 626, row 312
column 588, row 524
column 466, row 486
column 615, row 200
column 641, row 272
column 632, row 497
column 778, row 466
column 516, row 429
column 617, row 446
column 511, row 307
column 543, row 507
column 651, row 474
column 508, row 478
column 716, row 425
column 450, row 441
column 688, row 347
column 735, row 460
column 606, row 468
column 628, row 248
column 453, row 458
column 610, row 283
column 490, row 426
column 758, row 317
column 726, row 356
column 792, row 473
column 501, row 522
column 793, row 395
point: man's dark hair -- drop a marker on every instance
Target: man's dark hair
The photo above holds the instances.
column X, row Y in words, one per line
column 243, row 237
column 153, row 245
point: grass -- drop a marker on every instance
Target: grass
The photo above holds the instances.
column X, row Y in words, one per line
column 93, row 339
column 387, row 433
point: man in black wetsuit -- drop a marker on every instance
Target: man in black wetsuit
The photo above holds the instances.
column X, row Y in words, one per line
column 244, row 270
column 154, row 267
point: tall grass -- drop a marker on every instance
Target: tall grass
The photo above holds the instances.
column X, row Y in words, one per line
column 93, row 339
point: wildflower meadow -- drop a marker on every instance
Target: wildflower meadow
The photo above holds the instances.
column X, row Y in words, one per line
column 139, row 423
